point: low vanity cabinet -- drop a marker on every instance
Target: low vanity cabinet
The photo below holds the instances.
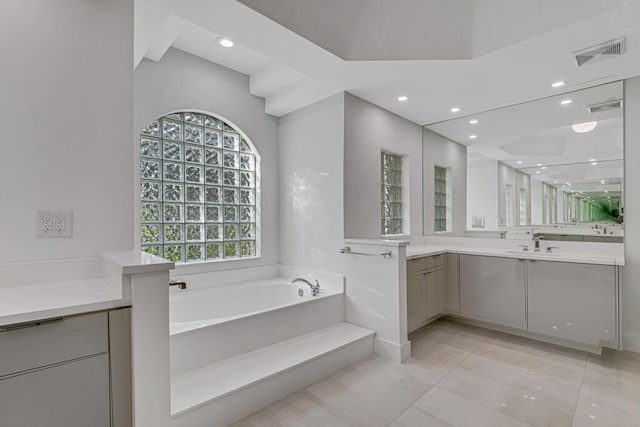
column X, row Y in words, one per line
column 573, row 301
column 425, row 290
column 492, row 289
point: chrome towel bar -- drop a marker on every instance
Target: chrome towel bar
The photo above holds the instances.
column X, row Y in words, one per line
column 347, row 250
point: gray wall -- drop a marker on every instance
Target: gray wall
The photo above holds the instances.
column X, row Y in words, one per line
column 181, row 81
column 66, row 119
column 369, row 129
column 440, row 151
column 631, row 284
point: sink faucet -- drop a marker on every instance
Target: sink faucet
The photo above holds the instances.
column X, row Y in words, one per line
column 536, row 241
column 315, row 289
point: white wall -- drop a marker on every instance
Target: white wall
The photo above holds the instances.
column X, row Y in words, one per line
column 311, row 185
column 66, row 119
column 631, row 283
column 181, row 81
column 440, row 151
column 369, row 129
column 482, row 192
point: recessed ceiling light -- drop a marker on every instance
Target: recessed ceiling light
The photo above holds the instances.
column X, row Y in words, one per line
column 473, row 136
column 544, row 167
column 519, row 162
column 473, row 121
column 225, row 42
column 602, row 181
column 403, row 98
column 539, row 164
column 566, row 102
column 592, row 160
column 537, row 171
column 594, row 163
column 455, row 109
column 584, row 127
column 557, row 84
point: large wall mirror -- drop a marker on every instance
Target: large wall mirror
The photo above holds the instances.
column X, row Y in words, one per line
column 551, row 168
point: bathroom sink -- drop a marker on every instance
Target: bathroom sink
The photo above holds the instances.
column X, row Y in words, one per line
column 521, row 252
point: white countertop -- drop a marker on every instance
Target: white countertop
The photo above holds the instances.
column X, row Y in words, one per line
column 416, row 251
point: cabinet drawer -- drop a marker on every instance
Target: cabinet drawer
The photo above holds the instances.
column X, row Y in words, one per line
column 417, row 264
column 36, row 346
column 435, row 261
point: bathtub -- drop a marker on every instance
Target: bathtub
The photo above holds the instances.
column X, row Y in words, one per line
column 205, row 307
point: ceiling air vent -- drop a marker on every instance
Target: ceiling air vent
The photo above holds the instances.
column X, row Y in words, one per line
column 605, row 106
column 600, row 52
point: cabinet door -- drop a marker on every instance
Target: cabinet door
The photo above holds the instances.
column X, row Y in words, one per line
column 452, row 283
column 572, row 301
column 74, row 394
column 435, row 293
column 416, row 301
column 492, row 289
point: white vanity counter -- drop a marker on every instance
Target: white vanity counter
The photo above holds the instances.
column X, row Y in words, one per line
column 34, row 291
column 602, row 254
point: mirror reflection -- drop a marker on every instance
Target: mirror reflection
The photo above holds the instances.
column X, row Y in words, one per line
column 550, row 168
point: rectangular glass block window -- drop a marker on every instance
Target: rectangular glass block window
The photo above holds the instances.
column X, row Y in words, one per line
column 199, row 182
column 391, row 193
column 440, row 205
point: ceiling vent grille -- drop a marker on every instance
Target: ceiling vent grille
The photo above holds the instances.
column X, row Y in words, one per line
column 600, row 52
column 605, row 106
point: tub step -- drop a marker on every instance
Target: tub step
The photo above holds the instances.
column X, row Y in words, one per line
column 343, row 343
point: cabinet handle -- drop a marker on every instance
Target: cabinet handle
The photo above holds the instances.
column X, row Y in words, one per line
column 16, row 326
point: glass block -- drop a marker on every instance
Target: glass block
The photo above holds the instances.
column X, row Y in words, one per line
column 440, row 199
column 247, row 214
column 396, row 210
column 212, row 195
column 230, row 160
column 171, row 130
column 391, row 161
column 231, row 249
column 150, row 212
column 172, row 151
column 214, row 231
column 392, row 226
column 230, row 141
column 193, row 134
column 173, row 252
column 440, row 186
column 213, row 251
column 245, row 147
column 174, row 116
column 230, row 231
column 153, row 129
column 247, row 231
column 172, row 213
column 247, row 197
column 247, row 162
column 212, row 122
column 194, row 118
column 193, row 174
column 212, row 157
column 440, row 212
column 173, row 171
column 153, row 250
column 150, row 233
column 213, row 214
column 230, row 178
column 212, row 176
column 440, row 173
column 392, row 194
column 246, row 179
column 192, row 154
column 194, row 193
column 149, row 147
column 230, row 214
column 173, row 233
column 173, row 192
column 230, row 196
column 211, row 138
column 195, row 252
column 391, row 177
column 150, row 169
column 248, row 248
column 150, row 190
column 194, row 212
column 195, row 232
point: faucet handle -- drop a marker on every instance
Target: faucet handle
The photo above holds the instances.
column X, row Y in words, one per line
column 525, row 248
column 550, row 248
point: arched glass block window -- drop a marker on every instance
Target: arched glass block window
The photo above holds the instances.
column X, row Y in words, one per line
column 199, row 180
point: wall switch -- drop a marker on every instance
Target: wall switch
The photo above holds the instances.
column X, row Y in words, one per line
column 50, row 223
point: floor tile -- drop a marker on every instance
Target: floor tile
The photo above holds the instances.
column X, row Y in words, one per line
column 414, row 417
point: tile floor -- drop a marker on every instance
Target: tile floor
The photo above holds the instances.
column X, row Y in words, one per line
column 460, row 375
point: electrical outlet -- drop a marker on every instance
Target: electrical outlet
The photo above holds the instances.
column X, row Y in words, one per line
column 50, row 223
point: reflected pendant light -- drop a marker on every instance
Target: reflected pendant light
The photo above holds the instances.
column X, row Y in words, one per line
column 584, row 127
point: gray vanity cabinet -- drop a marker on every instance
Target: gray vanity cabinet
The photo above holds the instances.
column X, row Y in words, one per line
column 425, row 290
column 573, row 301
column 492, row 289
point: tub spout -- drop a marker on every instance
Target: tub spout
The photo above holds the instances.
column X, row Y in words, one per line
column 179, row 283
column 315, row 289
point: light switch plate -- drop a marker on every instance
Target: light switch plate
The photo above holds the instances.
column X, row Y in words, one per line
column 54, row 223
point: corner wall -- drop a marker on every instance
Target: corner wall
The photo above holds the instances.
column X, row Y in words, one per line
column 66, row 116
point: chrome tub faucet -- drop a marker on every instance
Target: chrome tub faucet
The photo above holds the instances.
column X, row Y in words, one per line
column 315, row 289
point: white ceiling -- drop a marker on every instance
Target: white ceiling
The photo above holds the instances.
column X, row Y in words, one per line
column 519, row 48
